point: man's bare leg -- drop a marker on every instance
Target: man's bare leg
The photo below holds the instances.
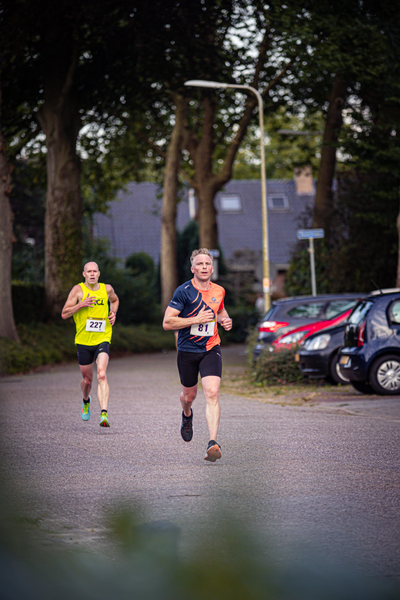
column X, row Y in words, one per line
column 87, row 378
column 86, row 386
column 187, row 397
column 103, row 389
column 211, row 385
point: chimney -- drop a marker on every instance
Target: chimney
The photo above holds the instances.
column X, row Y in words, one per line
column 304, row 180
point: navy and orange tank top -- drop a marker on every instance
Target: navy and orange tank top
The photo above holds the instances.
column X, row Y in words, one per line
column 189, row 301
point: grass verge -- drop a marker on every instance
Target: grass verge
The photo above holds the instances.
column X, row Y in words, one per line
column 47, row 344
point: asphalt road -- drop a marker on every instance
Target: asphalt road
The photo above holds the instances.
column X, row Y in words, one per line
column 319, row 480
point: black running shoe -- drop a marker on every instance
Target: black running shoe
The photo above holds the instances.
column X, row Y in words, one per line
column 213, row 451
column 187, row 427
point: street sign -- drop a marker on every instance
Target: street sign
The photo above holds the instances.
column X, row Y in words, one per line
column 308, row 234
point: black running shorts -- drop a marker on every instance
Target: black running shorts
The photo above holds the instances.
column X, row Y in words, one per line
column 191, row 363
column 88, row 354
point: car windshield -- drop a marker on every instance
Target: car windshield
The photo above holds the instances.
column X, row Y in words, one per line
column 360, row 312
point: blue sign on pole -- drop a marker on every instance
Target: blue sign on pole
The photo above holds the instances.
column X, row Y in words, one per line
column 214, row 253
column 308, row 234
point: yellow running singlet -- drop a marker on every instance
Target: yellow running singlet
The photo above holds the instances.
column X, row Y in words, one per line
column 92, row 325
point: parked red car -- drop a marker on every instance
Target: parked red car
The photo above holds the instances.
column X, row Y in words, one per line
column 294, row 337
column 288, row 314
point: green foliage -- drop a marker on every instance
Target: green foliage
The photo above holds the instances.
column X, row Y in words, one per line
column 283, row 153
column 139, row 301
column 276, row 367
column 298, row 276
column 46, row 344
column 27, row 300
column 359, row 43
column 142, row 338
column 187, row 241
column 67, row 253
column 28, row 205
column 98, row 250
column 40, row 345
column 28, row 263
column 135, row 286
column 244, row 318
column 147, row 562
column 251, row 341
column 113, row 156
column 366, row 245
column 363, row 242
column 141, row 263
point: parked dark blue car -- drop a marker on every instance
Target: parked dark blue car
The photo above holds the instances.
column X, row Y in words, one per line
column 370, row 358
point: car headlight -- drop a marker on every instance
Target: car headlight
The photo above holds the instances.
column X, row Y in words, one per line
column 318, row 343
column 292, row 338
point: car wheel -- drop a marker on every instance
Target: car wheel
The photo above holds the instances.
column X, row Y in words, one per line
column 362, row 386
column 385, row 375
column 335, row 374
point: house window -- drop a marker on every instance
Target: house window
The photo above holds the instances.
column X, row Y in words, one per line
column 278, row 202
column 230, row 203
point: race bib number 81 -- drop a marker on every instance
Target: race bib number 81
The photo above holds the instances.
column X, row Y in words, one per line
column 203, row 329
column 96, row 325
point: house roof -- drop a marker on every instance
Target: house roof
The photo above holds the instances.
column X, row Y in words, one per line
column 133, row 221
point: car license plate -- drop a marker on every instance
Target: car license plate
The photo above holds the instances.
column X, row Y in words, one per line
column 297, row 357
column 344, row 360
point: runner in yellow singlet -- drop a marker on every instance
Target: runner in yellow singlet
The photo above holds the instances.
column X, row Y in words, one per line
column 88, row 303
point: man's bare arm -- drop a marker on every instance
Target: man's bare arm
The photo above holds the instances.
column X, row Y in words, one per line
column 74, row 302
column 172, row 322
column 114, row 303
column 224, row 319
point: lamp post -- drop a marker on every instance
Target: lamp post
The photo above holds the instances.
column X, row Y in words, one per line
column 264, row 212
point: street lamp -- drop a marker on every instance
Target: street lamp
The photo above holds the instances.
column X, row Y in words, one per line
column 264, row 213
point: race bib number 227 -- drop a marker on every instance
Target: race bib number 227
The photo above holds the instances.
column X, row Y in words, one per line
column 96, row 325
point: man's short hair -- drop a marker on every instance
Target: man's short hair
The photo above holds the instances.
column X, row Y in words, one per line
column 201, row 251
column 88, row 263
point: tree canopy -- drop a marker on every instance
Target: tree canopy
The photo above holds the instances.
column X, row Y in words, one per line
column 98, row 89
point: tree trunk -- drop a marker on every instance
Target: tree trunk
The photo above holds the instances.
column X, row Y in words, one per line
column 60, row 120
column 205, row 182
column 7, row 325
column 207, row 217
column 398, row 251
column 168, row 258
column 324, row 194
